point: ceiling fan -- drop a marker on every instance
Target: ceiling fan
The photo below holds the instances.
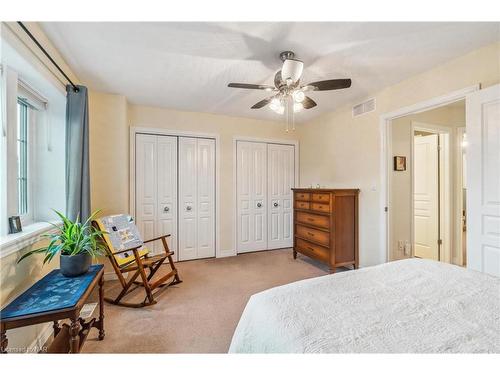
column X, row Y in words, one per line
column 289, row 94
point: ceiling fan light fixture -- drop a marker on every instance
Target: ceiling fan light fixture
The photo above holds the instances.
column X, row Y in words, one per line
column 298, row 96
column 297, row 107
column 274, row 105
column 291, row 70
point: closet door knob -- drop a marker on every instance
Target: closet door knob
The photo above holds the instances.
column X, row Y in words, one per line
column 259, row 205
column 275, row 204
column 189, row 208
column 166, row 209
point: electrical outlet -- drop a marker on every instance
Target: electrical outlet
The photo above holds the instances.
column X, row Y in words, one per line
column 400, row 246
column 407, row 248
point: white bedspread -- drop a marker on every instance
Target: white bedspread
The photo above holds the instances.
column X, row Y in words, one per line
column 413, row 305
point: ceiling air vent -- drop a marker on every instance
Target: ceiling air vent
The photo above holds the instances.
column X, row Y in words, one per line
column 365, row 107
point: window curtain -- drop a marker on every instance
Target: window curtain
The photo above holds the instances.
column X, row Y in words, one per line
column 77, row 154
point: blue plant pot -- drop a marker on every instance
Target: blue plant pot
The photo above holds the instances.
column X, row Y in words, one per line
column 75, row 265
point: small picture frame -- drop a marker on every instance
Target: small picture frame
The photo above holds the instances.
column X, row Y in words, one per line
column 15, row 224
column 400, row 163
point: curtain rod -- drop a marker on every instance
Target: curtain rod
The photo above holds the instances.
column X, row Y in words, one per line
column 75, row 88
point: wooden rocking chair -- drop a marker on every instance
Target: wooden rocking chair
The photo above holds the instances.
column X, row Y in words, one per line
column 136, row 260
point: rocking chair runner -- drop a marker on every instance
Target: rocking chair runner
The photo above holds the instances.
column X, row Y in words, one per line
column 137, row 264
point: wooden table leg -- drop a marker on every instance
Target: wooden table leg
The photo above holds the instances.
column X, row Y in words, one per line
column 74, row 338
column 3, row 339
column 56, row 327
column 101, row 308
column 294, row 254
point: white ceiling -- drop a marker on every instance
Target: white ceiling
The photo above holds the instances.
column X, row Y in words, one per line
column 187, row 66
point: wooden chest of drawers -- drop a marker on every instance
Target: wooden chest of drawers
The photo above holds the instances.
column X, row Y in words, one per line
column 326, row 225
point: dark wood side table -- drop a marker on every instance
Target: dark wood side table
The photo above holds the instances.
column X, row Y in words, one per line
column 51, row 299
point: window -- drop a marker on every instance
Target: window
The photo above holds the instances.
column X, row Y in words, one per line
column 32, row 151
column 22, row 158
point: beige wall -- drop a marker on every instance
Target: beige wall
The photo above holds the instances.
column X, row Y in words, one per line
column 109, row 153
column 400, row 227
column 338, row 150
column 109, row 133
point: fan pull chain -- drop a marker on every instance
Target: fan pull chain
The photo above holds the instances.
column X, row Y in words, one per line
column 287, row 114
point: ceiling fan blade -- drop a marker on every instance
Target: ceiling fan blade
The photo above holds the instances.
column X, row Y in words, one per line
column 262, row 103
column 330, row 84
column 251, row 86
column 308, row 103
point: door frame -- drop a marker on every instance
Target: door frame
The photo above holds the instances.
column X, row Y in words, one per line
column 177, row 133
column 459, row 202
column 385, row 121
column 290, row 142
column 446, row 183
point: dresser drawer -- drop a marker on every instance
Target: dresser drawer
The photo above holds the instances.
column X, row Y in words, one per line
column 302, row 205
column 321, row 197
column 321, row 207
column 312, row 219
column 313, row 235
column 312, row 250
column 302, row 196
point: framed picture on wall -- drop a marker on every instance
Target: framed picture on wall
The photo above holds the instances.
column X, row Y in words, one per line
column 400, row 163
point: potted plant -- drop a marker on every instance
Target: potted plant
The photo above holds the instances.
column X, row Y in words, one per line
column 76, row 242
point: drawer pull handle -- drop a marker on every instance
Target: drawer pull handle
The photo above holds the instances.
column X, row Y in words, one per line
column 309, row 219
column 311, row 234
column 310, row 248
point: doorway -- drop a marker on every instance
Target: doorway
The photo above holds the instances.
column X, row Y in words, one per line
column 431, row 192
column 425, row 197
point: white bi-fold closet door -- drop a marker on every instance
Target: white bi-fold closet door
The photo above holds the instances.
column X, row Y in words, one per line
column 156, row 188
column 265, row 176
column 175, row 193
column 196, row 198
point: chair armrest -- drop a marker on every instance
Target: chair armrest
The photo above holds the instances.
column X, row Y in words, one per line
column 157, row 238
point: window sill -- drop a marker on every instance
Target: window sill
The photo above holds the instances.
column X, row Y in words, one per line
column 31, row 234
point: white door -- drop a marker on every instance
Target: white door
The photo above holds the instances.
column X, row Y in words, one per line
column 146, row 188
column 196, row 198
column 167, row 192
column 206, row 198
column 251, row 185
column 281, row 176
column 156, row 188
column 426, row 195
column 483, row 180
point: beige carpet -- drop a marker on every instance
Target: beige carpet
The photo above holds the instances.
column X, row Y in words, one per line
column 200, row 314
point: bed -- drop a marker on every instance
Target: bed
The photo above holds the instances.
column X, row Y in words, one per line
column 407, row 306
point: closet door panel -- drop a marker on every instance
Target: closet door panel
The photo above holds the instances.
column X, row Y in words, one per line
column 146, row 186
column 281, row 179
column 167, row 190
column 206, row 198
column 188, row 170
column 244, row 196
column 251, row 196
column 259, row 193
